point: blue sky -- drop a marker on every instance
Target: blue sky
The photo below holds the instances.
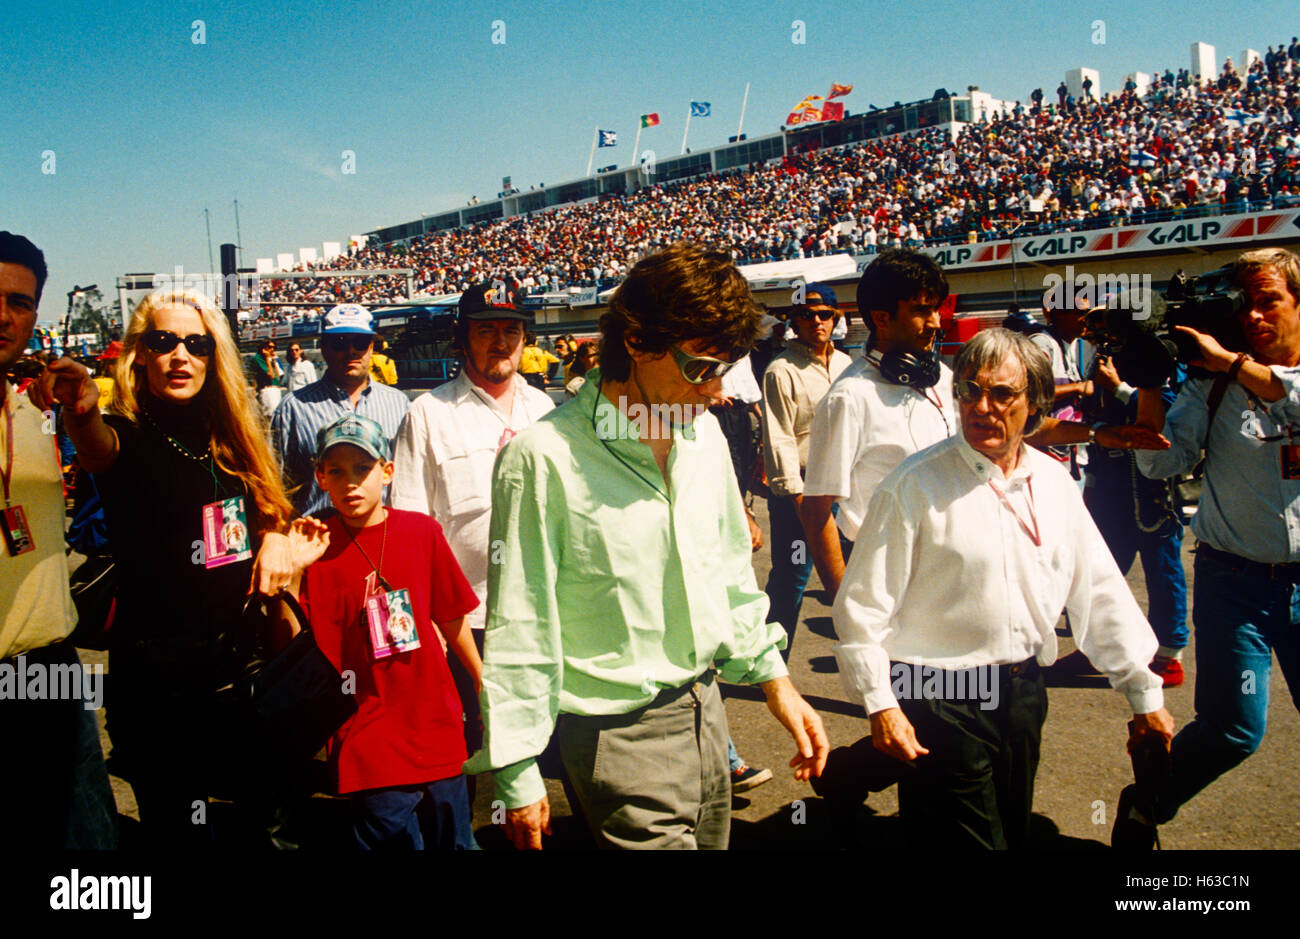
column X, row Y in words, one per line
column 148, row 127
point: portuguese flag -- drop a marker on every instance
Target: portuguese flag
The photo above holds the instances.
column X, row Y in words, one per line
column 649, row 120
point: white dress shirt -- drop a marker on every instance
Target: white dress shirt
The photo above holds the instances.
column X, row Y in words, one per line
column 301, row 374
column 740, row 383
column 865, row 427
column 443, row 459
column 944, row 574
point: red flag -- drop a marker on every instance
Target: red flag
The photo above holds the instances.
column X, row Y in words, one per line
column 648, row 120
column 832, row 111
column 806, row 116
column 839, row 91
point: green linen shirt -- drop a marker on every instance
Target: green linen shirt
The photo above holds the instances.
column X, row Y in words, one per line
column 607, row 586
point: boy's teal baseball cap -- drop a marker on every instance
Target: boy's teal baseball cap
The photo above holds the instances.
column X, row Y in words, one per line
column 359, row 431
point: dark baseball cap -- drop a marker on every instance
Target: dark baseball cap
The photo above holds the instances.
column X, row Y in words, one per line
column 491, row 301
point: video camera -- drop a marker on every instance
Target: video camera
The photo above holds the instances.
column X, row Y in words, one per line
column 1146, row 350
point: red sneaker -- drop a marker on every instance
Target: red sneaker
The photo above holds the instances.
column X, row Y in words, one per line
column 1171, row 670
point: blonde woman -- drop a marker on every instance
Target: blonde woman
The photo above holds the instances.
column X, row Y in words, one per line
column 192, row 493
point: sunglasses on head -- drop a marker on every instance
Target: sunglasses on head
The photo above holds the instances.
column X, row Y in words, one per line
column 356, row 342
column 1000, row 396
column 699, row 369
column 163, row 341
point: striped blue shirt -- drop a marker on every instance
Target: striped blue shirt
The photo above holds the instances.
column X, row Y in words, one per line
column 301, row 416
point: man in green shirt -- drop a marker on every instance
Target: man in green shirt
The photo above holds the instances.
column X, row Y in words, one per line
column 621, row 578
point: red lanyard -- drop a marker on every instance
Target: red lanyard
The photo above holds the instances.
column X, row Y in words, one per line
column 938, row 403
column 8, row 473
column 1033, row 534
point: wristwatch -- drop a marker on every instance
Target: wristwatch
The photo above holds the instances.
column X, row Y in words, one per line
column 1092, row 431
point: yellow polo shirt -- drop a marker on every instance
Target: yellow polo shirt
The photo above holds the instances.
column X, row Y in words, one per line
column 35, row 607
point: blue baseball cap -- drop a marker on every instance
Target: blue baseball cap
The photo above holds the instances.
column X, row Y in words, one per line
column 823, row 291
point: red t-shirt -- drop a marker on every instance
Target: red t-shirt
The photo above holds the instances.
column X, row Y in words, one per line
column 408, row 728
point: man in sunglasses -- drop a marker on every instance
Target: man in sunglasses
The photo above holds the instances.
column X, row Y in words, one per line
column 894, row 401
column 54, row 790
column 346, row 343
column 624, row 578
column 301, row 371
column 793, row 385
column 949, row 604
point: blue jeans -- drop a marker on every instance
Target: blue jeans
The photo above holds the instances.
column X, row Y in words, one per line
column 791, row 567
column 1162, row 559
column 1241, row 618
column 434, row 815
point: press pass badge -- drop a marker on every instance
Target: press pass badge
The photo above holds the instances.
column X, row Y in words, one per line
column 225, row 533
column 18, row 534
column 1290, row 461
column 392, row 625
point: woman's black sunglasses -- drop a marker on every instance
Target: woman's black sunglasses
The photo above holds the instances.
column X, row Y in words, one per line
column 162, row 341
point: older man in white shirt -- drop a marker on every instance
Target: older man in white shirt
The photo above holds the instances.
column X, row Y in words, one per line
column 448, row 443
column 949, row 604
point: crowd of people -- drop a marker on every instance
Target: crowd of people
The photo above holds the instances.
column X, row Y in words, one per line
column 1188, row 145
column 568, row 585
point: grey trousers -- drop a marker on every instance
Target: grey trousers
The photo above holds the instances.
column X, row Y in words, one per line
column 656, row 777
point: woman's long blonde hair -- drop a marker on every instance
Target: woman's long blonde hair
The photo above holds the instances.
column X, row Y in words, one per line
column 239, row 440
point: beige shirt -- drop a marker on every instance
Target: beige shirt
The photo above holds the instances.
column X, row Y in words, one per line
column 793, row 384
column 35, row 607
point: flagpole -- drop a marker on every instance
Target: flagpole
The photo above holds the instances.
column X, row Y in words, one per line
column 636, row 145
column 689, row 109
column 742, row 112
column 591, row 159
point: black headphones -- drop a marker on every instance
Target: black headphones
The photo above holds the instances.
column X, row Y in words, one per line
column 918, row 370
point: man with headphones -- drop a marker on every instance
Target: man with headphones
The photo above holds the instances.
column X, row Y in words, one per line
column 896, row 401
column 884, row 407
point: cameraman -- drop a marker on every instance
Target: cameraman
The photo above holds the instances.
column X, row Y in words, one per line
column 1248, row 526
column 1137, row 518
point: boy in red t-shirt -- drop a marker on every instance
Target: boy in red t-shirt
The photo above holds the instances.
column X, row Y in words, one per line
column 371, row 610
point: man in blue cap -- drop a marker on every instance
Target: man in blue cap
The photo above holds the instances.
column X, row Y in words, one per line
column 793, row 384
column 346, row 342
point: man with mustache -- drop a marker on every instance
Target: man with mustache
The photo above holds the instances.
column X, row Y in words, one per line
column 449, row 441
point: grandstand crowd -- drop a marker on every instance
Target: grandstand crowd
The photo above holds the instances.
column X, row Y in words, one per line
column 1186, row 146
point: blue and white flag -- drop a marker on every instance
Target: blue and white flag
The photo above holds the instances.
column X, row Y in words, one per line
column 1241, row 118
column 608, row 138
column 700, row 108
column 1141, row 158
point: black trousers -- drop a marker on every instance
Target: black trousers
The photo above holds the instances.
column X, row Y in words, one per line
column 736, row 427
column 975, row 789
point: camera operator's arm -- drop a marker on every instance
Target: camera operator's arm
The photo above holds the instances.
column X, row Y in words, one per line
column 1055, row 433
column 1255, row 377
column 1185, row 426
